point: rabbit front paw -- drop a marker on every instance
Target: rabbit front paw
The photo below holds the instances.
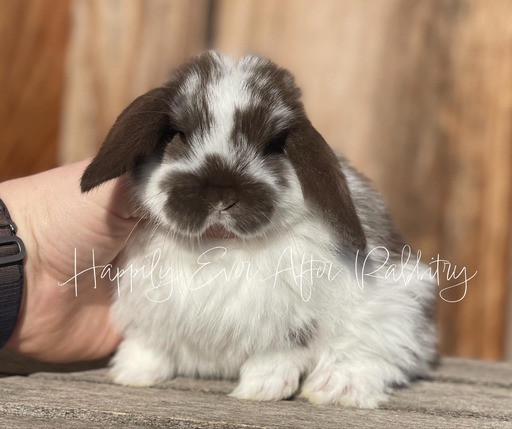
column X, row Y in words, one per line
column 267, row 379
column 341, row 384
column 136, row 365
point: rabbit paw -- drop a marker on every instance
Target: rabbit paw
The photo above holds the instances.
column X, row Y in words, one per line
column 338, row 385
column 268, row 381
column 136, row 365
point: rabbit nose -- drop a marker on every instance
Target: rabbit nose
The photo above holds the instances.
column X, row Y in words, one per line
column 228, row 206
column 221, row 197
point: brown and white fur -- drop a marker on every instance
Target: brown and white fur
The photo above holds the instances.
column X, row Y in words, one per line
column 259, row 235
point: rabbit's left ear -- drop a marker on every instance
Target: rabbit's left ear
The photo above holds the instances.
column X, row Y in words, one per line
column 134, row 135
column 324, row 185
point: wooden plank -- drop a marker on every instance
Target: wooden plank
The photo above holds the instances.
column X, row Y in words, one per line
column 475, row 372
column 451, row 370
column 24, row 422
column 420, row 103
column 32, row 50
column 454, row 399
column 117, row 51
column 432, row 396
column 180, row 383
column 103, row 403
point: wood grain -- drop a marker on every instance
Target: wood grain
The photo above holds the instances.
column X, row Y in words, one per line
column 418, row 95
column 119, row 49
column 449, row 122
column 450, row 399
column 33, row 40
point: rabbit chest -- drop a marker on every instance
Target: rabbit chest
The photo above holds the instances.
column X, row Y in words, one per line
column 223, row 301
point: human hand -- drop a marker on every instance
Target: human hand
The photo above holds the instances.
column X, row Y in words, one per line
column 54, row 218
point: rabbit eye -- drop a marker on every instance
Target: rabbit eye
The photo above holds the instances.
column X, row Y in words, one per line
column 183, row 137
column 276, row 145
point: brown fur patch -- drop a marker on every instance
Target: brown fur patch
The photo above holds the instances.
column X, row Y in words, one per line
column 190, row 112
column 303, row 336
column 134, row 135
column 324, row 184
column 177, row 148
column 194, row 196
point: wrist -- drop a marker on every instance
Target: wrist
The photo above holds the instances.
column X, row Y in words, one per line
column 12, row 253
column 11, row 194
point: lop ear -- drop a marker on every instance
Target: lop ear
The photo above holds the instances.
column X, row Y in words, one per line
column 324, row 184
column 134, row 135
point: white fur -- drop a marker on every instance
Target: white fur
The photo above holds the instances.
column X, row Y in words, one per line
column 225, row 95
column 218, row 315
column 225, row 308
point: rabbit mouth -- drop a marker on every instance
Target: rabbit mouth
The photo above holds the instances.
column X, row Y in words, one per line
column 218, row 231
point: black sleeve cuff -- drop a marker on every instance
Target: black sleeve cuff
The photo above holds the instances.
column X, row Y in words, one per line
column 12, row 252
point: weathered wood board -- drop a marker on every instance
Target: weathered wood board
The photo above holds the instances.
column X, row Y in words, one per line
column 461, row 393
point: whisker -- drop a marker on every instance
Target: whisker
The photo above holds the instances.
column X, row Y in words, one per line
column 131, row 232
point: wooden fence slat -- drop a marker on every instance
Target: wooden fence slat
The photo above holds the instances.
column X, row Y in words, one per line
column 119, row 49
column 33, row 40
column 418, row 95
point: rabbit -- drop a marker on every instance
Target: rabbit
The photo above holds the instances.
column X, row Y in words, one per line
column 263, row 256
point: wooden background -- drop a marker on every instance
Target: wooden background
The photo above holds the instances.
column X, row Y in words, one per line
column 417, row 93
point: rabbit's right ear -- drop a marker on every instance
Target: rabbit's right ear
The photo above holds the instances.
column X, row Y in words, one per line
column 134, row 135
column 324, row 185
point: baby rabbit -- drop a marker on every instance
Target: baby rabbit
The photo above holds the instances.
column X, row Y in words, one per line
column 264, row 256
